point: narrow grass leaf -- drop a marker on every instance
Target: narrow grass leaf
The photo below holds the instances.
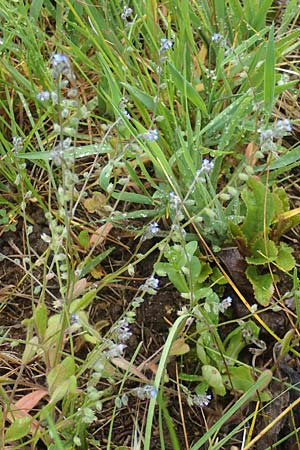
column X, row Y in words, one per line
column 184, row 86
column 95, row 261
column 261, row 11
column 35, row 8
column 176, row 327
column 269, row 73
column 78, row 152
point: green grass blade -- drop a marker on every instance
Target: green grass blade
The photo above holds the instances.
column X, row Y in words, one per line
column 269, row 73
column 159, row 376
column 183, row 85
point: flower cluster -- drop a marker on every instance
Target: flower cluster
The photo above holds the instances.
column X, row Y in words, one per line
column 269, row 136
column 178, row 233
column 126, row 12
column 199, row 400
column 150, row 286
column 17, row 143
column 151, row 135
column 225, row 304
column 60, row 65
column 216, row 38
column 151, row 230
column 122, row 331
column 219, row 40
column 165, row 45
column 175, row 206
column 146, row 392
column 206, row 168
column 114, row 350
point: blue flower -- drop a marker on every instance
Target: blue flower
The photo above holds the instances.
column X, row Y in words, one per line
column 43, row 96
column 216, row 38
column 151, row 135
column 165, row 44
column 282, row 127
column 60, row 65
column 146, row 392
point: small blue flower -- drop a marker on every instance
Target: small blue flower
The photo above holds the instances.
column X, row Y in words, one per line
column 165, row 44
column 146, row 392
column 153, row 228
column 225, row 304
column 150, row 286
column 126, row 12
column 216, row 38
column 17, row 143
column 207, row 165
column 267, row 135
column 200, row 400
column 283, row 126
column 60, row 65
column 151, row 135
column 43, row 96
column 59, row 59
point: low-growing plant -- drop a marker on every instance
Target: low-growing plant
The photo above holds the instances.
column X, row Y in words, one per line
column 258, row 236
column 199, row 285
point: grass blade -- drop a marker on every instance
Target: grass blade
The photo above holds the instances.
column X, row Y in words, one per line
column 269, row 73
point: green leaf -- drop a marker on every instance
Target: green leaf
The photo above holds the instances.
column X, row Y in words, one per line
column 263, row 251
column 240, row 378
column 18, row 429
column 261, row 9
column 88, row 266
column 178, row 280
column 145, row 99
column 105, row 176
column 132, row 197
column 84, row 239
column 62, row 389
column 260, row 209
column 234, row 344
column 185, row 87
column 78, row 152
column 201, row 353
column 30, row 350
column 238, row 235
column 191, row 247
column 60, row 373
column 40, row 319
column 35, row 8
column 269, row 75
column 262, row 285
column 83, row 302
column 206, row 270
column 213, row 377
column 285, row 259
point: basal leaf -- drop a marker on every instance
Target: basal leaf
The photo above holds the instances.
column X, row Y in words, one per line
column 262, row 285
column 263, row 251
column 18, row 429
column 213, row 377
column 285, row 259
column 260, row 209
column 241, row 378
